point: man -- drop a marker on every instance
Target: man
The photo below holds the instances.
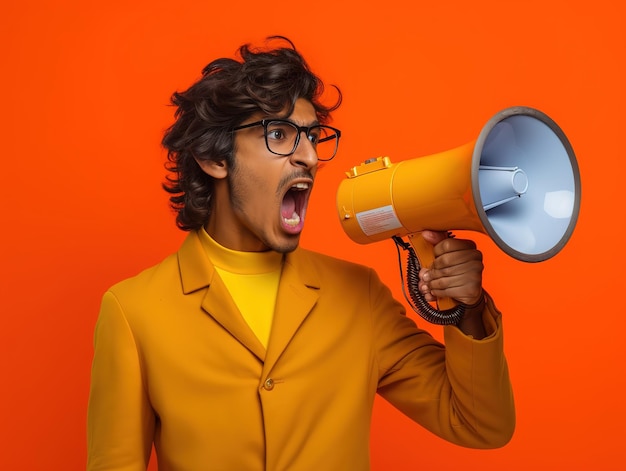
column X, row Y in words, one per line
column 244, row 352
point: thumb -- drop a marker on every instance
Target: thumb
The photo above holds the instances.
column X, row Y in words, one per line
column 434, row 237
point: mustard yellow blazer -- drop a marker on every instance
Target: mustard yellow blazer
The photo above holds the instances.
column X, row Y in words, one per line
column 175, row 364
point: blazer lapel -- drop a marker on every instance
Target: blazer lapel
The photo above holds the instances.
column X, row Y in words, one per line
column 197, row 272
column 219, row 304
column 298, row 293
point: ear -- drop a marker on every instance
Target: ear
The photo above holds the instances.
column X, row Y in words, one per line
column 214, row 168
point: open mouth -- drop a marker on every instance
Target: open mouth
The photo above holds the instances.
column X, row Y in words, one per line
column 293, row 206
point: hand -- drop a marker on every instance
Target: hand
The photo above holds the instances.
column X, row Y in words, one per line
column 456, row 271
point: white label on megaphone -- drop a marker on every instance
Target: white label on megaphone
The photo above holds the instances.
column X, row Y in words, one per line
column 378, row 220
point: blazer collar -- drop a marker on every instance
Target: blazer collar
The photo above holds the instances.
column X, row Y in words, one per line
column 297, row 295
column 197, row 271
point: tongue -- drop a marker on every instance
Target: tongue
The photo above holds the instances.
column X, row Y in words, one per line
column 289, row 206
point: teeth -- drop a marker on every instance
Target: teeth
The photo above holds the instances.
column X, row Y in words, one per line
column 294, row 220
column 300, row 186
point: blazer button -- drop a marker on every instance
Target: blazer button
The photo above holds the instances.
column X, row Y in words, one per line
column 269, row 384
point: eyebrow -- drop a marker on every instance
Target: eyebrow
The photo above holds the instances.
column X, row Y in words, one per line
column 256, row 123
column 313, row 123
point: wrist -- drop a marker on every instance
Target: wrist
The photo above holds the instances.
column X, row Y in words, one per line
column 477, row 307
column 471, row 322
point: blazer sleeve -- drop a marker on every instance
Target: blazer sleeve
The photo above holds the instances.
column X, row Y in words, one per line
column 120, row 420
column 460, row 391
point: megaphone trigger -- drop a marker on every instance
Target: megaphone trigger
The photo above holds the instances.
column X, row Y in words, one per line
column 424, row 251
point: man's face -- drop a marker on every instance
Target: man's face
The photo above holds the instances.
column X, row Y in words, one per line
column 260, row 204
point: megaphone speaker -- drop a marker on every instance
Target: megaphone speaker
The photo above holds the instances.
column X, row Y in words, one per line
column 518, row 182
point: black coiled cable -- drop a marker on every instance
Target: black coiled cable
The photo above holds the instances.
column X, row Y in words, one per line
column 416, row 300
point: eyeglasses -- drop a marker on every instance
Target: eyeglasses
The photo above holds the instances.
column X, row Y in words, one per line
column 282, row 137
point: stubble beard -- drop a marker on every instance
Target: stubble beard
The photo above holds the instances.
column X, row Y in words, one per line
column 236, row 202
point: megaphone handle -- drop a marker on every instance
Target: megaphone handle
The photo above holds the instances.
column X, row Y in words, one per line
column 426, row 255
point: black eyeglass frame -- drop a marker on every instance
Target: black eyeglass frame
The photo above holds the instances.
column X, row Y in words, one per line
column 301, row 129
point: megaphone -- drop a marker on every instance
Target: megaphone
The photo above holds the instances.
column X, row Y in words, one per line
column 518, row 183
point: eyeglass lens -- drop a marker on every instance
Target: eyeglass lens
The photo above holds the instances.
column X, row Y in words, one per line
column 282, row 137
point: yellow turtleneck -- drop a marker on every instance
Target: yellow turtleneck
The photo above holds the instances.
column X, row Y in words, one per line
column 252, row 280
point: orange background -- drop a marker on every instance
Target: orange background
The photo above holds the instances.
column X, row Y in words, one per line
column 85, row 87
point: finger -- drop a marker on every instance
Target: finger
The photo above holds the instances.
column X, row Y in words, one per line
column 462, row 282
column 448, row 244
column 453, row 262
column 472, row 268
column 465, row 294
column 424, row 289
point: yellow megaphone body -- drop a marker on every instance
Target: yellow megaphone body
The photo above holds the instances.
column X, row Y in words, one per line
column 518, row 183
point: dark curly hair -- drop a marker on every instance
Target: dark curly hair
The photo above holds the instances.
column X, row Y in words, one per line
column 229, row 92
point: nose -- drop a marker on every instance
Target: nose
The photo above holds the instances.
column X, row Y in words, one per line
column 305, row 154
